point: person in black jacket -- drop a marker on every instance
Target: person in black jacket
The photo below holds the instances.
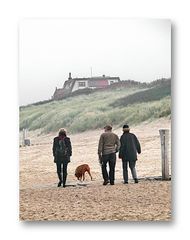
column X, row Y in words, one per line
column 129, row 148
column 62, row 151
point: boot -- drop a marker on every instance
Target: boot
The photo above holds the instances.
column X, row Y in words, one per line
column 105, row 182
column 59, row 184
column 64, row 181
column 60, row 180
column 136, row 180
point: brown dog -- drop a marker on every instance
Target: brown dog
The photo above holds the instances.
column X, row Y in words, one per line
column 80, row 171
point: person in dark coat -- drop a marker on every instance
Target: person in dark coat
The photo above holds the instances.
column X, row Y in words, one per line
column 129, row 148
column 62, row 151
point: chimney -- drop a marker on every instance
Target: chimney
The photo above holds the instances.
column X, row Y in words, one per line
column 70, row 76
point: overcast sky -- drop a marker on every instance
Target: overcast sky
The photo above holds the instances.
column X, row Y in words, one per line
column 137, row 49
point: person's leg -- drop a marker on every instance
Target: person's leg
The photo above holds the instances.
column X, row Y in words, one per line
column 112, row 161
column 104, row 169
column 58, row 164
column 133, row 170
column 64, row 173
column 125, row 171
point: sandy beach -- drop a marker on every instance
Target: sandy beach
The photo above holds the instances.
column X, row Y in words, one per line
column 40, row 199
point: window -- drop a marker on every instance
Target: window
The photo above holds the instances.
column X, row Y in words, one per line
column 82, row 84
column 112, row 82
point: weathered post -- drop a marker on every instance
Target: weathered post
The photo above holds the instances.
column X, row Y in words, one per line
column 24, row 136
column 26, row 141
column 164, row 137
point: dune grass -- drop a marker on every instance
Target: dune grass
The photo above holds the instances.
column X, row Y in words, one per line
column 148, row 95
column 85, row 112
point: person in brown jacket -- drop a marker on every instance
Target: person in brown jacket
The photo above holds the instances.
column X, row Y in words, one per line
column 108, row 146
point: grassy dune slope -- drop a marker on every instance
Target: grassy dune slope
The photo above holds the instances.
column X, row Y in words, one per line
column 84, row 112
column 152, row 94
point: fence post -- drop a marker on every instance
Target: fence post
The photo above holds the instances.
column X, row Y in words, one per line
column 23, row 136
column 164, row 137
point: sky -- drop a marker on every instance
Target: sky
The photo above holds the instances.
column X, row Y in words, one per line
column 136, row 49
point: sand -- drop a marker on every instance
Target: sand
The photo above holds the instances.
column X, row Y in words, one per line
column 40, row 199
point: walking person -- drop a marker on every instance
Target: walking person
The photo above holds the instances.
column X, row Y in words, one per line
column 62, row 151
column 130, row 146
column 107, row 148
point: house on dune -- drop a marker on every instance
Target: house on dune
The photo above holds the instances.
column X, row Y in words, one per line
column 73, row 84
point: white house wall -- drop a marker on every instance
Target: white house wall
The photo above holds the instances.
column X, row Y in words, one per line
column 76, row 85
column 110, row 81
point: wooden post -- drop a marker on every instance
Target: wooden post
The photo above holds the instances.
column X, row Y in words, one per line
column 164, row 137
column 24, row 136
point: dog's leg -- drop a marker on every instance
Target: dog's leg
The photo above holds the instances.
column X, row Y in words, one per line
column 83, row 176
column 89, row 174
